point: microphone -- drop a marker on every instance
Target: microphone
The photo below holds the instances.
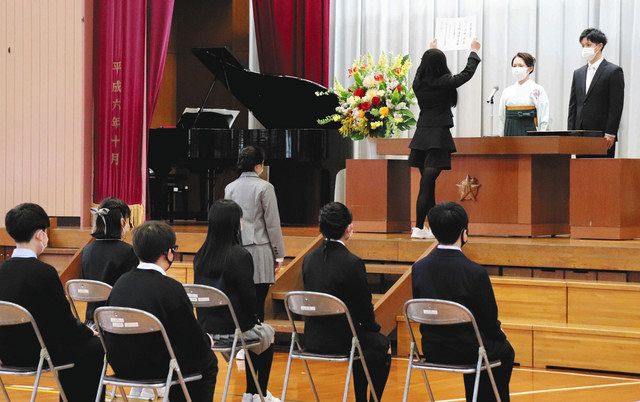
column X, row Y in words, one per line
column 493, row 93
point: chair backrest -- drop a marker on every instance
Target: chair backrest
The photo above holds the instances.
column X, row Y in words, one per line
column 203, row 296
column 14, row 314
column 87, row 290
column 439, row 312
column 316, row 304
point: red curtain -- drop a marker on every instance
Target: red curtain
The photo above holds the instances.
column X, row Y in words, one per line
column 120, row 132
column 293, row 38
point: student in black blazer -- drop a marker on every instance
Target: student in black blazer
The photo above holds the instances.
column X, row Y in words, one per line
column 432, row 144
column 148, row 288
column 36, row 286
column 597, row 91
column 108, row 257
column 447, row 274
column 332, row 269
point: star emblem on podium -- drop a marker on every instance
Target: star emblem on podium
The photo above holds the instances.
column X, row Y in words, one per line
column 468, row 188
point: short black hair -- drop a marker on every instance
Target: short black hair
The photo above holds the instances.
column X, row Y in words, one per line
column 447, row 221
column 594, row 35
column 334, row 219
column 249, row 157
column 24, row 220
column 117, row 209
column 528, row 59
column 152, row 239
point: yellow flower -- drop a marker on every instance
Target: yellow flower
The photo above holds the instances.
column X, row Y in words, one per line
column 398, row 119
column 375, row 124
column 384, row 111
column 336, row 117
column 361, row 113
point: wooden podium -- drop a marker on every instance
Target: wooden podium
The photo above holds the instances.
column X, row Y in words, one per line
column 605, row 198
column 513, row 186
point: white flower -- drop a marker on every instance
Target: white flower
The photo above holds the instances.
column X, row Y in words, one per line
column 397, row 115
column 369, row 81
column 371, row 93
column 401, row 106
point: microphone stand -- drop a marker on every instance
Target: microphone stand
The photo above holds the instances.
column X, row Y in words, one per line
column 492, row 115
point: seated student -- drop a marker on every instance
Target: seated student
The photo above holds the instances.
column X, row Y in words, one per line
column 148, row 288
column 36, row 286
column 447, row 274
column 332, row 269
column 223, row 263
column 108, row 257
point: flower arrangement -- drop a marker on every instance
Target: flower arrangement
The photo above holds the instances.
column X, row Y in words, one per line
column 377, row 104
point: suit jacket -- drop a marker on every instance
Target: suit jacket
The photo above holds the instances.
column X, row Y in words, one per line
column 434, row 97
column 260, row 216
column 598, row 107
column 449, row 275
column 332, row 269
column 36, row 286
column 145, row 356
column 106, row 261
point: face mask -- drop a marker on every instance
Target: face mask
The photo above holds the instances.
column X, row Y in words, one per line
column 462, row 242
column 588, row 53
column 519, row 73
column 45, row 243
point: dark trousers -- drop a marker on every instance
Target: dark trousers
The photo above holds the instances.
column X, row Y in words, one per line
column 262, row 365
column 80, row 383
column 201, row 390
column 261, row 295
column 501, row 374
column 375, row 347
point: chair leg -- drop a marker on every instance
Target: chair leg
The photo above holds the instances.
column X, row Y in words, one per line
column 232, row 355
column 124, row 394
column 349, row 368
column 308, row 370
column 372, row 389
column 476, row 384
column 247, row 358
column 491, row 378
column 4, row 391
column 408, row 379
column 34, row 392
column 428, row 385
column 101, row 384
column 288, row 369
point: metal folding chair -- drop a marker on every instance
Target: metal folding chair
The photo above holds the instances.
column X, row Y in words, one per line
column 13, row 314
column 130, row 321
column 202, row 296
column 315, row 304
column 444, row 312
column 85, row 290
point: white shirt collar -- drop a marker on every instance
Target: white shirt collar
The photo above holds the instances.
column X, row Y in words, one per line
column 152, row 267
column 249, row 174
column 337, row 241
column 596, row 64
column 23, row 253
column 448, row 247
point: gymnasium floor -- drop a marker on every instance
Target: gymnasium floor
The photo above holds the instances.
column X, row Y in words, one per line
column 527, row 385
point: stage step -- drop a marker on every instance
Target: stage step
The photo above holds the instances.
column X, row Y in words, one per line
column 390, row 269
column 280, row 296
column 284, row 326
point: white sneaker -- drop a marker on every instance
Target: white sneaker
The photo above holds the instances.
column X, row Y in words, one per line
column 240, row 355
column 247, row 397
column 268, row 398
column 417, row 233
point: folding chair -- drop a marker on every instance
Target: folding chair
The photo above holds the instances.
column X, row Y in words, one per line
column 85, row 290
column 202, row 296
column 315, row 304
column 130, row 321
column 444, row 312
column 13, row 314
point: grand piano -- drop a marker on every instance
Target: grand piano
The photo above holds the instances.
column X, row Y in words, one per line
column 190, row 166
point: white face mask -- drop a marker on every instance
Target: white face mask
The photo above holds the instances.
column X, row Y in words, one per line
column 588, row 53
column 520, row 73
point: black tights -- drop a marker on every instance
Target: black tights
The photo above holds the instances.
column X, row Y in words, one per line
column 262, row 365
column 261, row 295
column 427, row 194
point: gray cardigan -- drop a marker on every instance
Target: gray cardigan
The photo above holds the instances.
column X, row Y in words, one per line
column 260, row 216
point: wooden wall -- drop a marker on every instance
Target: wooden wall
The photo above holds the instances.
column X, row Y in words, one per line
column 42, row 105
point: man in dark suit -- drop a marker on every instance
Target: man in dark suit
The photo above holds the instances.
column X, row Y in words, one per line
column 36, row 286
column 332, row 269
column 448, row 275
column 597, row 91
column 148, row 288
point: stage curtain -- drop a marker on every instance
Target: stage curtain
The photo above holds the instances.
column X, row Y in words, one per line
column 160, row 16
column 293, row 37
column 119, row 99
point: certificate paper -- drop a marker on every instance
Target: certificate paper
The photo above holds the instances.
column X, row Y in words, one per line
column 455, row 33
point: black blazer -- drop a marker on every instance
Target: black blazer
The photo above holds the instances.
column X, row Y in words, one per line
column 599, row 107
column 236, row 281
column 332, row 269
column 36, row 286
column 144, row 356
column 449, row 275
column 106, row 261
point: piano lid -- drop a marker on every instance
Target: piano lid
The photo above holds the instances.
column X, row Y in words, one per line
column 277, row 101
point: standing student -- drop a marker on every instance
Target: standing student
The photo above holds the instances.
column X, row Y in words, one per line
column 432, row 143
column 36, row 286
column 333, row 269
column 261, row 231
column 597, row 91
column 224, row 264
column 524, row 105
column 108, row 257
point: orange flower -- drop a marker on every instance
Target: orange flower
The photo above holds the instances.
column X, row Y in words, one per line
column 384, row 111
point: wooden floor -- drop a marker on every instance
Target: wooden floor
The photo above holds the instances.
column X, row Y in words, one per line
column 527, row 385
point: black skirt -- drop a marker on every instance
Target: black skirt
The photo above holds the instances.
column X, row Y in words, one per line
column 433, row 158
